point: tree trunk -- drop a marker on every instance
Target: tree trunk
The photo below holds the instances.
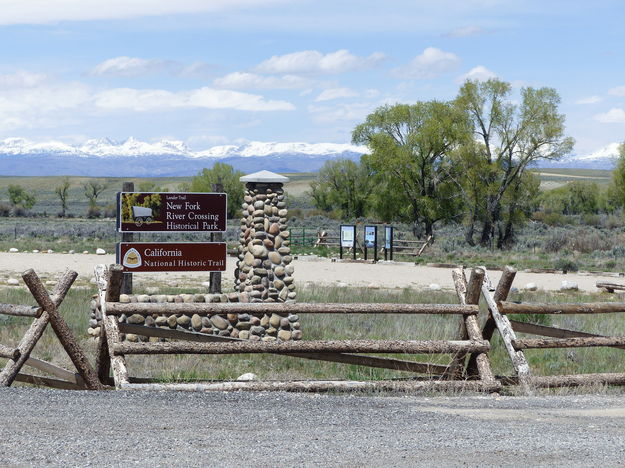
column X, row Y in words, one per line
column 487, row 233
column 429, row 228
column 417, row 229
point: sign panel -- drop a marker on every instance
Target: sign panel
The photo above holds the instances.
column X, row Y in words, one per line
column 171, row 212
column 348, row 236
column 388, row 237
column 370, row 235
column 171, row 256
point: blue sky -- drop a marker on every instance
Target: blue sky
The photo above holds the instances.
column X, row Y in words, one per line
column 231, row 71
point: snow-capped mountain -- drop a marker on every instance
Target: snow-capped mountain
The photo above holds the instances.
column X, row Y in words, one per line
column 105, row 157
column 603, row 158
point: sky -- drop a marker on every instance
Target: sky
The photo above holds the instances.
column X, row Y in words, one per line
column 215, row 72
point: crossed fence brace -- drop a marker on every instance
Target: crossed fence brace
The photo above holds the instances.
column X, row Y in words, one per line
column 47, row 312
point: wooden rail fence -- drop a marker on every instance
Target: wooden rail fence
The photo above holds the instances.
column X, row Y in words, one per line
column 112, row 351
column 402, row 246
column 47, row 312
column 500, row 309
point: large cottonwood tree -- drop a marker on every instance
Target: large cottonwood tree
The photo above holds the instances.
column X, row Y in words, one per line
column 410, row 145
column 508, row 138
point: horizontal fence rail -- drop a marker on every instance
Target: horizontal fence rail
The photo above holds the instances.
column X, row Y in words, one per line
column 17, row 310
column 564, row 309
column 353, row 346
column 357, row 359
column 543, row 343
column 147, row 308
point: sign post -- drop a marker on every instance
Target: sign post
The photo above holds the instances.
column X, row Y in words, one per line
column 347, row 239
column 371, row 240
column 127, row 237
column 388, row 242
column 214, row 278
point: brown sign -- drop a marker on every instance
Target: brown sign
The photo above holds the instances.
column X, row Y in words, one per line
column 172, row 256
column 171, row 212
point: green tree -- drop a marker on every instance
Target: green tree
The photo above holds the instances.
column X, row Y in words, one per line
column 20, row 199
column 616, row 192
column 508, row 138
column 224, row 174
column 93, row 189
column 576, row 197
column 411, row 144
column 62, row 191
column 344, row 185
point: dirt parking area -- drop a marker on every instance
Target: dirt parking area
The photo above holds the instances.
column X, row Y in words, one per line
column 307, row 270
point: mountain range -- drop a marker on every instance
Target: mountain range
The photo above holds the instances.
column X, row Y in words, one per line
column 134, row 158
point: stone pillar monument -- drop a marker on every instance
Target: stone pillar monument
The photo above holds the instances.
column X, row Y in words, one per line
column 264, row 267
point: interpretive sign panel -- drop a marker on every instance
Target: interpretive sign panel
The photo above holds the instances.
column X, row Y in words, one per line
column 388, row 242
column 370, row 235
column 171, row 212
column 171, row 256
column 388, row 237
column 348, row 236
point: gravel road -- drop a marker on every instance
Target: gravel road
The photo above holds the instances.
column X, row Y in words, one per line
column 276, row 429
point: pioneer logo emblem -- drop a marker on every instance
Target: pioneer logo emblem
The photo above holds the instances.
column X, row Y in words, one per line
column 132, row 259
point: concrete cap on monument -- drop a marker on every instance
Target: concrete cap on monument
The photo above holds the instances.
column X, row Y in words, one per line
column 265, row 177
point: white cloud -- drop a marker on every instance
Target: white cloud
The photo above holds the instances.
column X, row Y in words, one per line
column 44, row 106
column 431, row 63
column 479, row 73
column 353, row 112
column 466, row 32
column 243, row 80
column 336, row 93
column 131, row 66
column 618, row 91
column 589, row 100
column 314, row 62
column 197, row 70
column 614, row 115
column 21, row 79
column 141, row 100
column 53, row 104
column 52, row 11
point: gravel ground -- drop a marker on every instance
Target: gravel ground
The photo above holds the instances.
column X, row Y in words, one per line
column 307, row 269
column 276, row 429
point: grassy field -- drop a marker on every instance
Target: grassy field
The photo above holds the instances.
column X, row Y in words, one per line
column 48, row 202
column 554, row 178
column 75, row 310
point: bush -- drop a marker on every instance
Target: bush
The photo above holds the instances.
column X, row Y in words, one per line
column 5, row 210
column 555, row 219
column 19, row 212
column 590, row 219
column 589, row 241
column 613, row 222
column 556, row 242
column 566, row 265
column 93, row 212
column 110, row 211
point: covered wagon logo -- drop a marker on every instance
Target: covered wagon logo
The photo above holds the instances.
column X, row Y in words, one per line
column 132, row 259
